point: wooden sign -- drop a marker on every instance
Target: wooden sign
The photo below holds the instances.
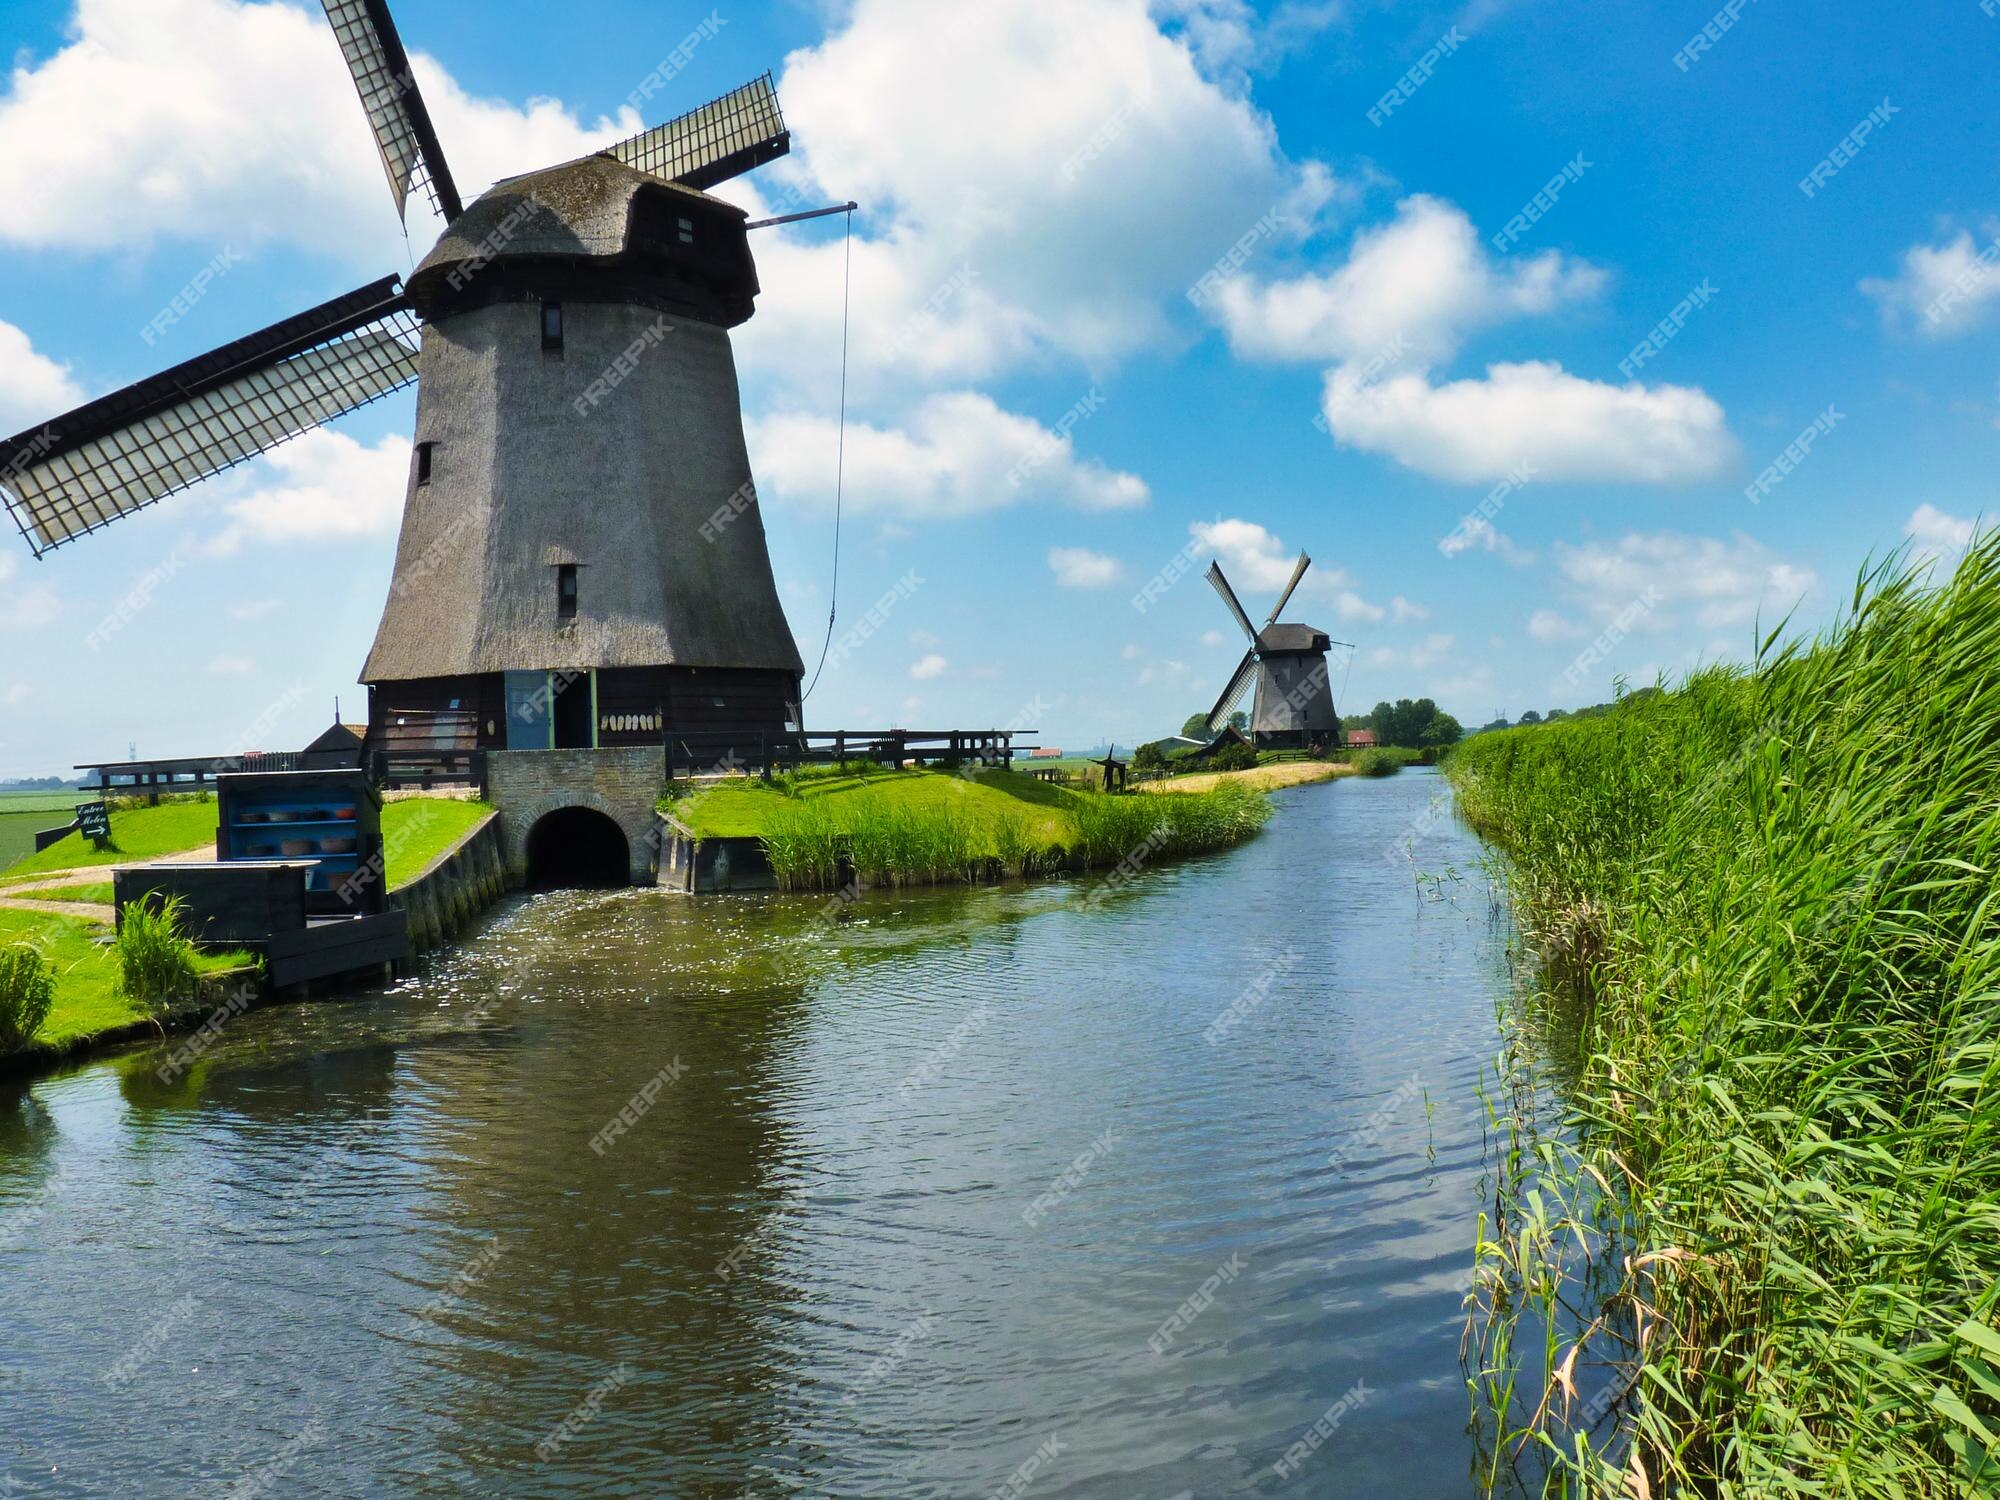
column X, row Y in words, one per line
column 93, row 820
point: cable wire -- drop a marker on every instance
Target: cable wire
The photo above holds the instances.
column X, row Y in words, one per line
column 840, row 459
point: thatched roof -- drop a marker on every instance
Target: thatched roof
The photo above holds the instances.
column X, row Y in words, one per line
column 1293, row 638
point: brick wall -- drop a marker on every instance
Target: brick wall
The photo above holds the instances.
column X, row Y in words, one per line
column 526, row 785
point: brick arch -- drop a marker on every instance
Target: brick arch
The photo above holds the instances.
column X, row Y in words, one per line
column 526, row 786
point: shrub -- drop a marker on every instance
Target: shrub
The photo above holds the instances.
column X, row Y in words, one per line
column 1148, row 758
column 1377, row 763
column 155, row 959
column 27, row 991
column 1233, row 757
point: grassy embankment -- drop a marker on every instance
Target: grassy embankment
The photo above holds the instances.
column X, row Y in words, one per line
column 1778, row 886
column 1264, row 778
column 415, row 831
column 25, row 814
column 933, row 827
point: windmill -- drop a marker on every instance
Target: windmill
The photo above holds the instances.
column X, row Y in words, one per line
column 1294, row 706
column 581, row 560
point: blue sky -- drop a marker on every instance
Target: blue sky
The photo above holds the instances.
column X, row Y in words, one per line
column 1043, row 183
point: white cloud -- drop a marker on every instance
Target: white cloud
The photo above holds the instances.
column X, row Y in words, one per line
column 1477, row 531
column 16, row 694
column 958, row 454
column 1427, row 653
column 1552, row 625
column 1943, row 289
column 253, row 609
column 1565, row 428
column 1405, row 610
column 232, row 666
column 924, row 668
column 1937, row 535
column 1080, row 568
column 33, row 387
column 1069, row 233
column 1213, row 638
column 322, row 487
column 1715, row 584
column 1418, row 285
column 223, row 121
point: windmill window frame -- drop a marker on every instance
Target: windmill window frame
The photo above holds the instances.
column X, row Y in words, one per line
column 552, row 328
column 567, row 590
column 426, row 453
column 684, row 230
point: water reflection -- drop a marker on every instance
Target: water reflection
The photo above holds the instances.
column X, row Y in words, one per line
column 805, row 1258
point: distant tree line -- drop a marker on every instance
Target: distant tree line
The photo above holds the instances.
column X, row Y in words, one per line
column 1414, row 724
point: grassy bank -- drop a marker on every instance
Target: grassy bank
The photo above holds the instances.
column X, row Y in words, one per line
column 1777, row 886
column 1268, row 778
column 932, row 827
column 415, row 831
column 87, row 998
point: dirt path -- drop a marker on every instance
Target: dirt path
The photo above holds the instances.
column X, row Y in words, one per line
column 98, row 874
column 1263, row 778
column 80, row 910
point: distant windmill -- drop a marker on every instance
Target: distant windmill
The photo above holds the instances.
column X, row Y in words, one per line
column 581, row 554
column 1294, row 706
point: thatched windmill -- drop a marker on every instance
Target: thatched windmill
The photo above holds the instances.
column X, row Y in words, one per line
column 1294, row 706
column 582, row 561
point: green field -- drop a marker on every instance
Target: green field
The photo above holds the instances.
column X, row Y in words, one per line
column 25, row 814
column 415, row 831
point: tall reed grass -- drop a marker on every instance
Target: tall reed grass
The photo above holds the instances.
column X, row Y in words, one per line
column 1780, row 882
column 810, row 841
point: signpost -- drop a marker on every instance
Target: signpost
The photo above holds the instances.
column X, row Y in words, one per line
column 93, row 821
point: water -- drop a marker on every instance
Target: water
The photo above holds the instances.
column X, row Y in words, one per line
column 370, row 1244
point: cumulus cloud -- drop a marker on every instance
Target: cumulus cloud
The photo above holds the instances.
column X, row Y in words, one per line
column 1710, row 582
column 1552, row 625
column 1427, row 653
column 1258, row 566
column 958, row 454
column 1416, row 286
column 929, row 666
column 1936, row 535
column 1069, row 234
column 324, row 486
column 33, row 387
column 1942, row 289
column 1565, row 428
column 218, row 120
column 1080, row 568
column 1405, row 610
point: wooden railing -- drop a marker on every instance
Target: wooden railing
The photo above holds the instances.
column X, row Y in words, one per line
column 758, row 753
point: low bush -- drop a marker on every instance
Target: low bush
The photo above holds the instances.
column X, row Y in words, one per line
column 156, row 962
column 27, row 993
column 1377, row 763
column 1233, row 757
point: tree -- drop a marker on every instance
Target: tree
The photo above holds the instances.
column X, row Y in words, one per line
column 1196, row 727
column 1439, row 730
column 1531, row 717
column 1148, row 758
column 1553, row 714
column 1240, row 720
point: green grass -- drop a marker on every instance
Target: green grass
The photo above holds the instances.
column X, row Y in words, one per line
column 1378, row 762
column 96, row 893
column 136, row 833
column 928, row 827
column 416, row 830
column 1778, row 885
column 87, row 997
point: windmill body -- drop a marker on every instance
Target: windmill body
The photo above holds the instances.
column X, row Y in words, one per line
column 582, row 562
column 1294, row 707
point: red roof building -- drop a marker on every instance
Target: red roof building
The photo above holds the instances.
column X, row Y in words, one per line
column 1361, row 739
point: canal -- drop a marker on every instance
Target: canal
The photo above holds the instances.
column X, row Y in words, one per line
column 1164, row 1192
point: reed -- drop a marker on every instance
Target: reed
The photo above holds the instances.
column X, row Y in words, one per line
column 1777, row 1203
column 156, row 962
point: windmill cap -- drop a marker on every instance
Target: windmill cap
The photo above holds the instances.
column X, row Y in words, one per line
column 1282, row 638
column 583, row 212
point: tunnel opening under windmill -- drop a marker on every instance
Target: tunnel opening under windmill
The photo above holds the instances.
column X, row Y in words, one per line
column 577, row 848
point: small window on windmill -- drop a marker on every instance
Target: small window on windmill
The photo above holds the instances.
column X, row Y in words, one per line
column 566, row 591
column 552, row 328
column 686, row 228
column 424, row 462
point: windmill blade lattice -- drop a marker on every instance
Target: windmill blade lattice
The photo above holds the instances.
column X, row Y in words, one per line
column 723, row 139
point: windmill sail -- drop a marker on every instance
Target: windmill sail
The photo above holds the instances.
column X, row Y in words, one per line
column 723, row 139
column 126, row 450
column 1285, row 598
column 1229, row 598
column 395, row 107
column 1239, row 684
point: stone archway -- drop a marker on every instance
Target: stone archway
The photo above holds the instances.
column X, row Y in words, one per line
column 528, row 785
column 577, row 847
